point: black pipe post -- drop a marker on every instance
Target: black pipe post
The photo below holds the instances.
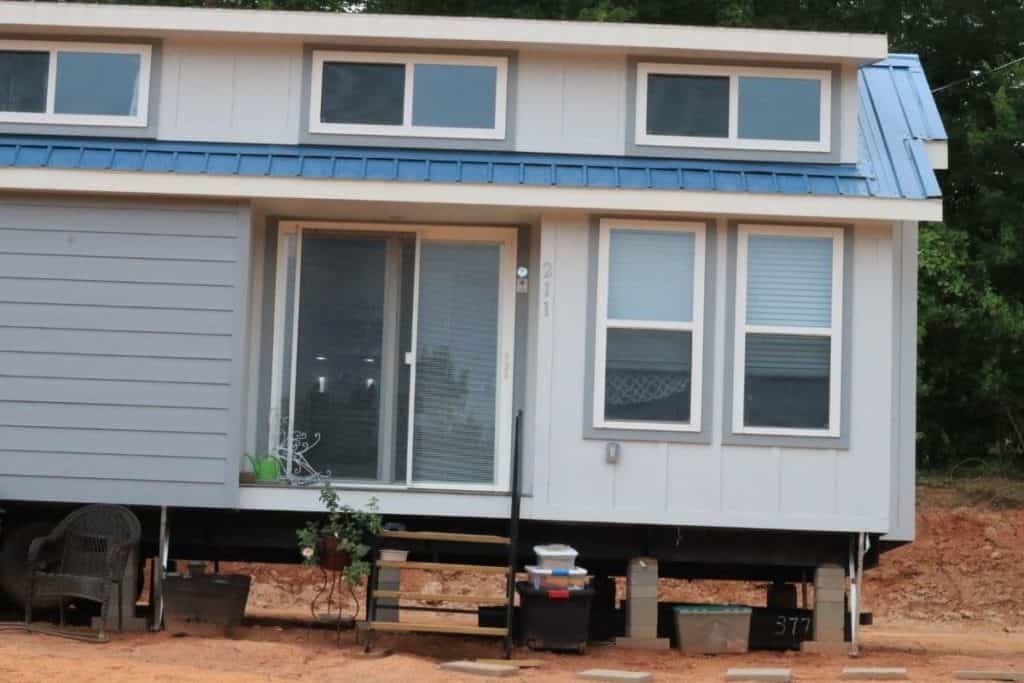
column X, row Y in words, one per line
column 513, row 533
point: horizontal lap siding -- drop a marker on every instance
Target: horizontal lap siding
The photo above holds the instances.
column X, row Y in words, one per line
column 120, row 352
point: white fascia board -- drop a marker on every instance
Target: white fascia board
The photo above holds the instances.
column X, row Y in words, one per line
column 392, row 500
column 938, row 154
column 469, row 31
column 460, row 194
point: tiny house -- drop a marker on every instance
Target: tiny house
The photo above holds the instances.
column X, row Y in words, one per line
column 686, row 256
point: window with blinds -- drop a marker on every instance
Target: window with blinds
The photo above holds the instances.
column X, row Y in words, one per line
column 788, row 330
column 649, row 325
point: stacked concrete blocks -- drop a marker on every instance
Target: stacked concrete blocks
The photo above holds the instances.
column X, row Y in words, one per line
column 642, row 598
column 642, row 606
column 829, row 610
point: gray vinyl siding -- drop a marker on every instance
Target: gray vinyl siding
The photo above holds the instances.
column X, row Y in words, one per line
column 121, row 351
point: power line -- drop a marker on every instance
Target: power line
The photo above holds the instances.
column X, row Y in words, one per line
column 979, row 74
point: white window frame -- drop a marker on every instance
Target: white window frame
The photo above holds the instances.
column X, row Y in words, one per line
column 733, row 140
column 696, row 326
column 505, row 372
column 139, row 120
column 742, row 329
column 320, row 57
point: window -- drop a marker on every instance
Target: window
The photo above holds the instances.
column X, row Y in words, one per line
column 788, row 355
column 369, row 93
column 393, row 353
column 733, row 107
column 74, row 83
column 649, row 339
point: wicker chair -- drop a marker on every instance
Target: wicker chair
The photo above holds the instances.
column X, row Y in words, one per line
column 93, row 545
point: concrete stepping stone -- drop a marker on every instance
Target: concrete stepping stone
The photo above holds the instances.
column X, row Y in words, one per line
column 771, row 675
column 989, row 675
column 615, row 676
column 866, row 673
column 481, row 669
column 520, row 663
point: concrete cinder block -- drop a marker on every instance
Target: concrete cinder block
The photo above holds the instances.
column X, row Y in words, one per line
column 481, row 669
column 615, row 676
column 868, row 673
column 828, row 622
column 830, row 595
column 781, row 675
column 643, row 643
column 829, row 575
column 988, row 676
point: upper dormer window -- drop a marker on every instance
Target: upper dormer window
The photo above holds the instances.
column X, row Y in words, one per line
column 86, row 84
column 371, row 93
column 733, row 107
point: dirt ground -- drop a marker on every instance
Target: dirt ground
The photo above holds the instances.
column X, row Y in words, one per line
column 952, row 600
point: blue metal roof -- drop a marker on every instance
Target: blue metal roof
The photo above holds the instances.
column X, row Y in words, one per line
column 897, row 115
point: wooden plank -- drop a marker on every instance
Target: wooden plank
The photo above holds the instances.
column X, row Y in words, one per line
column 445, row 537
column 442, row 566
column 463, row 629
column 467, row 599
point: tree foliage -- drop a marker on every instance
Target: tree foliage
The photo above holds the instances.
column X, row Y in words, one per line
column 971, row 311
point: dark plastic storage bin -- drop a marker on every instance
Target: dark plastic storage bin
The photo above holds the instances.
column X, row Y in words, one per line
column 205, row 605
column 554, row 619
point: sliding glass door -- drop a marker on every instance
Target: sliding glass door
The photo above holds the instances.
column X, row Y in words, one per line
column 393, row 352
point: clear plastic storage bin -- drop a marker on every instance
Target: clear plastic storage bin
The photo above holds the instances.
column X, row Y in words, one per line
column 555, row 556
column 549, row 579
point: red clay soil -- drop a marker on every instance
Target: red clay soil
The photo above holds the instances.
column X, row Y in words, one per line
column 952, row 600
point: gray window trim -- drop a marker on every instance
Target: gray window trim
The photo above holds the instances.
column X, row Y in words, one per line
column 730, row 438
column 506, row 144
column 836, row 125
column 707, row 386
column 155, row 70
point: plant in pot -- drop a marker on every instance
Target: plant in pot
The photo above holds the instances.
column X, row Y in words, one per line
column 341, row 541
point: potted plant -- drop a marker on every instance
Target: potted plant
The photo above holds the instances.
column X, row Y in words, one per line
column 265, row 467
column 341, row 541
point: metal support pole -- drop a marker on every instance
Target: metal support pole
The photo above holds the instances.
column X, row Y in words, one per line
column 156, row 599
column 513, row 524
column 857, row 552
column 803, row 588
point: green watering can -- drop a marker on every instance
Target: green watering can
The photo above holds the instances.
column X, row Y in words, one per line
column 266, row 468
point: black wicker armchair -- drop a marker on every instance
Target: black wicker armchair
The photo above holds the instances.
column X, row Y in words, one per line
column 93, row 545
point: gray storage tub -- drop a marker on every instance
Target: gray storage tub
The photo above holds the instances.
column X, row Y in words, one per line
column 712, row 629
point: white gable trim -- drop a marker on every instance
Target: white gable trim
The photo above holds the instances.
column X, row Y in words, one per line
column 463, row 194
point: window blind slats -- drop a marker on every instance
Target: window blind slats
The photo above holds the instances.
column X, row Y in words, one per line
column 789, row 281
column 456, row 363
column 650, row 275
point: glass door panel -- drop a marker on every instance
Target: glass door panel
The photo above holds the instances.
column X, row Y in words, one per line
column 347, row 372
column 456, row 376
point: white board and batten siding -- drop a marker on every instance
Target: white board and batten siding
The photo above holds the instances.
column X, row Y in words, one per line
column 121, row 351
column 713, row 485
